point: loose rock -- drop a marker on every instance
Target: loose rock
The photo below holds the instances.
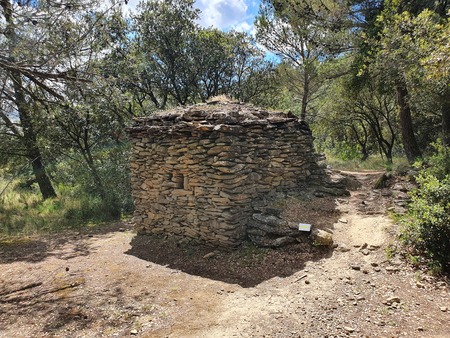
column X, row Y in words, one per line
column 391, row 300
column 392, row 269
column 349, row 329
column 322, row 237
column 209, row 255
column 343, row 248
column 365, row 252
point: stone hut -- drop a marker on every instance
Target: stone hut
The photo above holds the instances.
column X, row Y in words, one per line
column 196, row 171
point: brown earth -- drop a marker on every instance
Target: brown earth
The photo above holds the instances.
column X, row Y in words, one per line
column 109, row 282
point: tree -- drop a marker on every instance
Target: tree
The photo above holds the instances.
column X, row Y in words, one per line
column 377, row 110
column 164, row 32
column 435, row 59
column 397, row 56
column 363, row 117
column 253, row 77
column 306, row 34
column 295, row 44
column 173, row 61
column 45, row 45
column 425, row 47
column 213, row 62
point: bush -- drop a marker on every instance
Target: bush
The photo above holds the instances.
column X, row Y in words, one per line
column 426, row 226
column 115, row 174
column 113, row 171
column 438, row 164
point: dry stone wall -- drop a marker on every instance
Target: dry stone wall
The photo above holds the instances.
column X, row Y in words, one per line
column 197, row 170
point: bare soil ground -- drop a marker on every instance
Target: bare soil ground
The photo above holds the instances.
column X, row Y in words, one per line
column 109, row 282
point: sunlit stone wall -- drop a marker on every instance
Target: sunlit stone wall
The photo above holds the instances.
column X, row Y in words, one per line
column 196, row 170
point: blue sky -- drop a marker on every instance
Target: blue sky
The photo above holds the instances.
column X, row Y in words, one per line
column 225, row 14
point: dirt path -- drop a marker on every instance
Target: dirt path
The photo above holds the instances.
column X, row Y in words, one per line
column 93, row 285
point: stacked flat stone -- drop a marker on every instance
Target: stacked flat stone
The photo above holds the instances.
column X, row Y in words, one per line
column 196, row 170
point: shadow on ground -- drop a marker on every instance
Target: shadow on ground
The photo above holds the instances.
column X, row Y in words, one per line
column 37, row 248
column 247, row 266
column 63, row 306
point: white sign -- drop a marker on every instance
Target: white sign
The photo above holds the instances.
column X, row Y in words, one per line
column 304, row 227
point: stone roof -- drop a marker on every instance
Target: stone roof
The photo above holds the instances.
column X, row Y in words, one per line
column 214, row 116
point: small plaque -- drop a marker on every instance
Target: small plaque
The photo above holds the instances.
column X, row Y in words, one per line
column 304, row 227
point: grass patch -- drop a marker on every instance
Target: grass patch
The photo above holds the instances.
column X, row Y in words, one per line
column 372, row 163
column 23, row 212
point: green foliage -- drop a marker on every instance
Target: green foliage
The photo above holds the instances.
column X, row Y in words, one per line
column 438, row 164
column 89, row 208
column 426, row 226
column 345, row 151
column 301, row 43
column 79, row 203
column 113, row 171
column 356, row 121
column 390, row 251
column 48, row 53
column 372, row 163
column 173, row 61
column 23, row 212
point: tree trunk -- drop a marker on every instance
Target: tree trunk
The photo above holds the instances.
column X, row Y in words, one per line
column 364, row 153
column 98, row 181
column 305, row 96
column 388, row 153
column 29, row 137
column 409, row 140
column 42, row 179
column 362, row 141
column 33, row 151
column 445, row 109
column 30, row 141
column 110, row 202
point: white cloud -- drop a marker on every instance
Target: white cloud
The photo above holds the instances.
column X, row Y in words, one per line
column 246, row 27
column 130, row 7
column 223, row 14
column 243, row 27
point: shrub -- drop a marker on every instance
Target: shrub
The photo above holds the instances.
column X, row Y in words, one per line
column 438, row 164
column 426, row 226
column 113, row 172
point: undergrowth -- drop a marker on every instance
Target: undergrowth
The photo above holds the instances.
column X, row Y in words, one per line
column 372, row 163
column 82, row 197
column 426, row 225
column 23, row 212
